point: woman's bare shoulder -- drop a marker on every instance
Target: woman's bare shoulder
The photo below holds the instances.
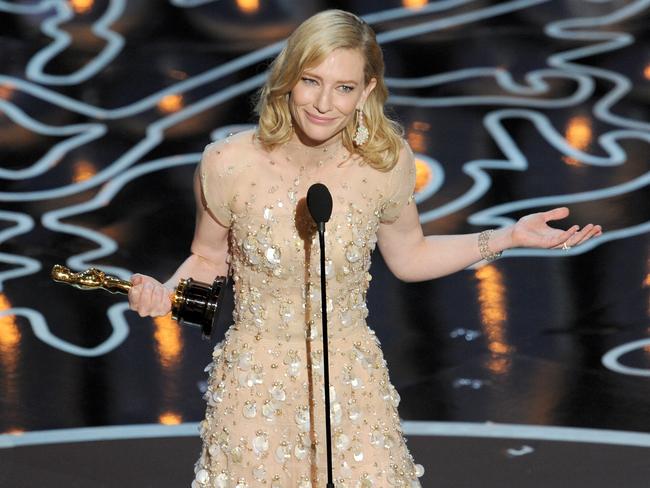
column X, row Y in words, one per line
column 242, row 145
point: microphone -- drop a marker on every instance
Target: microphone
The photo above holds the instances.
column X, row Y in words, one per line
column 319, row 203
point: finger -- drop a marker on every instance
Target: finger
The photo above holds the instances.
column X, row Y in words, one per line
column 580, row 236
column 563, row 237
column 593, row 232
column 134, row 297
column 156, row 295
column 556, row 214
column 136, row 279
column 146, row 300
column 161, row 301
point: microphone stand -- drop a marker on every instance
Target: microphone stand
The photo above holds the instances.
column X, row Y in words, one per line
column 323, row 296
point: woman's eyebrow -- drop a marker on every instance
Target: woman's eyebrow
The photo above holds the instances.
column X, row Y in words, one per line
column 313, row 75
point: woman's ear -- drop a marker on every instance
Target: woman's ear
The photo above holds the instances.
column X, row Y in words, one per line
column 366, row 92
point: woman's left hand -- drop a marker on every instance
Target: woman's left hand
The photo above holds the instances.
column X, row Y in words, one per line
column 533, row 231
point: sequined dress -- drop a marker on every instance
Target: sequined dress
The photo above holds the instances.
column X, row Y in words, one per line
column 264, row 424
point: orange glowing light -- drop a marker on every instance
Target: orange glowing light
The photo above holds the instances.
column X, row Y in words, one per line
column 178, row 74
column 646, row 284
column 248, row 6
column 171, row 103
column 9, row 332
column 646, row 72
column 81, row 6
column 492, row 300
column 421, row 126
column 416, row 137
column 169, row 341
column 15, row 431
column 6, row 91
column 571, row 161
column 579, row 134
column 9, row 354
column 416, row 140
column 170, row 418
column 414, row 4
column 422, row 175
column 83, row 170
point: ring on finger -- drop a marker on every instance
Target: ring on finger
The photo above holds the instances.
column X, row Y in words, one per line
column 565, row 247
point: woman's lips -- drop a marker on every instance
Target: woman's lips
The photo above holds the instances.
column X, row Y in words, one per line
column 319, row 120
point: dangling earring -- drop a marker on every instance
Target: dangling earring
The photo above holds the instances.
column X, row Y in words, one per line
column 362, row 134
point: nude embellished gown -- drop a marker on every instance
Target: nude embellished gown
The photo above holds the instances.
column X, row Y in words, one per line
column 264, row 424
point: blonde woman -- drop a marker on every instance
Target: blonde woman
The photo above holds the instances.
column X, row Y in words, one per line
column 321, row 119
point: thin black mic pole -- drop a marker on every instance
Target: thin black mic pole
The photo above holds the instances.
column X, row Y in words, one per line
column 319, row 203
column 326, row 360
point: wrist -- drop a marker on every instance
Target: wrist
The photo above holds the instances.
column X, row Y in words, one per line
column 501, row 239
column 492, row 242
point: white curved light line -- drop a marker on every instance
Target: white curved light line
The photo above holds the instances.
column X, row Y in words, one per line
column 584, row 90
column 409, row 427
column 491, row 430
column 611, row 359
column 516, row 160
column 190, row 3
column 456, row 20
column 150, row 101
column 375, row 17
column 405, row 12
column 61, row 40
column 52, row 220
column 36, row 8
column 534, row 79
column 613, row 41
column 155, row 133
column 42, row 331
column 82, row 133
column 26, row 266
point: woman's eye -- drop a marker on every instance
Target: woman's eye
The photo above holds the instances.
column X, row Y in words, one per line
column 309, row 81
column 346, row 88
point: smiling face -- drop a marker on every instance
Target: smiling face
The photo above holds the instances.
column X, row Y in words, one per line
column 325, row 98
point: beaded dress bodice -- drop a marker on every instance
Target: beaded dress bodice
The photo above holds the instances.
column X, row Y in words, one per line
column 265, row 393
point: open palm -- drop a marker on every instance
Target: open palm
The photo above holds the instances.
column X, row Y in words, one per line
column 533, row 231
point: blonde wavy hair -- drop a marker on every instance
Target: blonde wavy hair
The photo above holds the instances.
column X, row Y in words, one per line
column 307, row 47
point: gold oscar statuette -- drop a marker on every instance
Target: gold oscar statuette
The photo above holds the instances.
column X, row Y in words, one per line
column 193, row 303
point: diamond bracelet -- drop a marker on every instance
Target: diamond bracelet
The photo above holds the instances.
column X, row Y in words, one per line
column 484, row 248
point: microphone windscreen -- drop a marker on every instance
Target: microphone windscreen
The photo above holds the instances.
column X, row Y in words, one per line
column 319, row 202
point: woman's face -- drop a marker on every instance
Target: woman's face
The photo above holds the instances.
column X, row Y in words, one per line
column 325, row 98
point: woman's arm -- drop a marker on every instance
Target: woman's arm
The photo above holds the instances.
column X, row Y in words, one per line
column 207, row 260
column 413, row 257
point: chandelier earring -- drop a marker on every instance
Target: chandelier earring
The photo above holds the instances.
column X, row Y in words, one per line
column 361, row 135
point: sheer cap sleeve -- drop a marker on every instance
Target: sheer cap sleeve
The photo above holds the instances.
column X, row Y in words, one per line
column 401, row 185
column 215, row 173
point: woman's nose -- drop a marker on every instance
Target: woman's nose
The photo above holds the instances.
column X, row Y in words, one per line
column 323, row 102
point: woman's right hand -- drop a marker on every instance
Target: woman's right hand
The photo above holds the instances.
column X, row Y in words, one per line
column 149, row 297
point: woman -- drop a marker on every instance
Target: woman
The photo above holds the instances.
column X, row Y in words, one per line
column 321, row 119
